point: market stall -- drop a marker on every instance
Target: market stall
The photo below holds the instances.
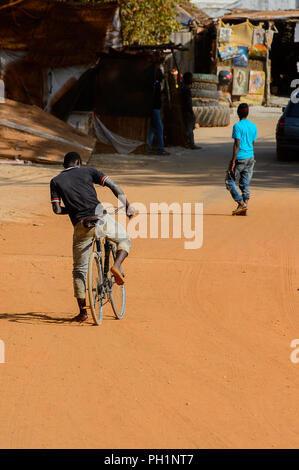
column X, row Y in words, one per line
column 272, row 38
column 243, row 50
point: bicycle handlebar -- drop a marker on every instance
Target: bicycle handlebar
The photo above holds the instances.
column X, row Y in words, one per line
column 116, row 210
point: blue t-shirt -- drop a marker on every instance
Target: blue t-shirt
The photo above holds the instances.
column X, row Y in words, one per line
column 246, row 131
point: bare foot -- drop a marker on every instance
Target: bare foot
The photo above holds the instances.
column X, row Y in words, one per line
column 119, row 279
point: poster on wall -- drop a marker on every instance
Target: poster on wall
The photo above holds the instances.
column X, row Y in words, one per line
column 228, row 52
column 257, row 51
column 225, row 35
column 258, row 37
column 240, row 81
column 242, row 59
column 253, row 99
column 257, row 82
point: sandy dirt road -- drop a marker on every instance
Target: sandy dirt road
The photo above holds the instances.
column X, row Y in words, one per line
column 202, row 358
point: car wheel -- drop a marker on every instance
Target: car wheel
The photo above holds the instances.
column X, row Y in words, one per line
column 279, row 154
column 286, row 155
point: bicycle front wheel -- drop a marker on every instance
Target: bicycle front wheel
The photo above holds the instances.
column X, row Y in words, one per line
column 95, row 288
column 118, row 293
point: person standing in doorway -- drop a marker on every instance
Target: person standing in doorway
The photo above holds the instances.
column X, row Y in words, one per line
column 242, row 164
column 156, row 126
column 187, row 110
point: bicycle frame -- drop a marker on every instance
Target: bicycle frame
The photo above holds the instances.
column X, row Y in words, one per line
column 97, row 248
column 101, row 286
column 108, row 246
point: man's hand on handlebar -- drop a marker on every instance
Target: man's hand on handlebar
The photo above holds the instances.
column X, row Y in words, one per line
column 130, row 211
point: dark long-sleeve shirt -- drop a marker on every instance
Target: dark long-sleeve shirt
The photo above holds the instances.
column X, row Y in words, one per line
column 157, row 95
column 186, row 100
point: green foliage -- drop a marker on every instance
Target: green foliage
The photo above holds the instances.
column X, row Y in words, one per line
column 147, row 21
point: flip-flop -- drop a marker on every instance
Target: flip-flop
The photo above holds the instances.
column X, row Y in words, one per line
column 80, row 317
column 119, row 278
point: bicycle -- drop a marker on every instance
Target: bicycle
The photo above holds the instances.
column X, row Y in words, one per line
column 101, row 285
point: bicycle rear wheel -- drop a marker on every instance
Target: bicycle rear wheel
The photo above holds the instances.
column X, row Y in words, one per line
column 118, row 293
column 95, row 288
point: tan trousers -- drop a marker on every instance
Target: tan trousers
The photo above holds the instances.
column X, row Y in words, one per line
column 82, row 242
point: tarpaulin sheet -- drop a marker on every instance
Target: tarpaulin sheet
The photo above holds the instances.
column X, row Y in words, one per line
column 242, row 34
column 119, row 143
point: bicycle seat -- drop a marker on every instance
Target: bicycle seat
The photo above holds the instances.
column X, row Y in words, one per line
column 90, row 222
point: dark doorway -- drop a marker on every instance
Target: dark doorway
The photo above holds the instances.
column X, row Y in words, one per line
column 284, row 56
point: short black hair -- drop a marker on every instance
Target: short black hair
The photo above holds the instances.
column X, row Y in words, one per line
column 243, row 110
column 71, row 158
column 188, row 78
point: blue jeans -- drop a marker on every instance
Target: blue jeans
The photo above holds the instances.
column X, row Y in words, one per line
column 156, row 128
column 243, row 173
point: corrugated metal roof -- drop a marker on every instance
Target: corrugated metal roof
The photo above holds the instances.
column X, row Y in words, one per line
column 220, row 8
column 200, row 16
column 262, row 15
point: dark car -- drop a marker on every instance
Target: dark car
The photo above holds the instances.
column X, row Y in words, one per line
column 287, row 132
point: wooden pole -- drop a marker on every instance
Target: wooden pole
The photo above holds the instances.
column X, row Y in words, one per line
column 216, row 48
column 268, row 69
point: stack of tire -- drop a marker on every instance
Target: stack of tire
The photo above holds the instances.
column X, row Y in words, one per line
column 206, row 106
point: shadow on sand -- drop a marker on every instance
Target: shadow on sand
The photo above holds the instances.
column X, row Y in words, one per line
column 38, row 317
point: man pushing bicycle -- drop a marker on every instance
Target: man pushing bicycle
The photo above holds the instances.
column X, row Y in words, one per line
column 74, row 186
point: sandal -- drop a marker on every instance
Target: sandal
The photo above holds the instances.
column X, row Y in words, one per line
column 241, row 209
column 82, row 316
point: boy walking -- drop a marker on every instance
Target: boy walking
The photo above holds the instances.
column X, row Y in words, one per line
column 242, row 163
